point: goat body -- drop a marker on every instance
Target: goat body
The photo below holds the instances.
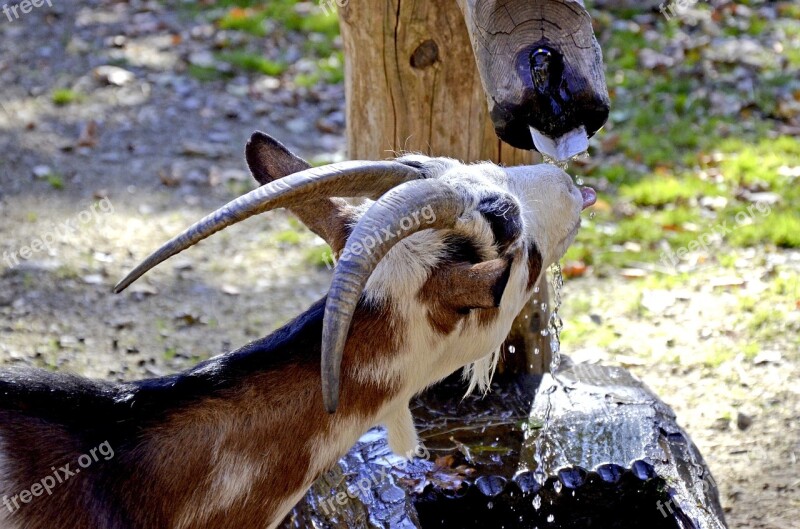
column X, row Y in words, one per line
column 237, row 440
column 243, row 433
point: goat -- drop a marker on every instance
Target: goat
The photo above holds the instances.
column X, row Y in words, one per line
column 238, row 439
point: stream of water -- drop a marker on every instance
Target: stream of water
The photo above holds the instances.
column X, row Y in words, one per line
column 554, row 326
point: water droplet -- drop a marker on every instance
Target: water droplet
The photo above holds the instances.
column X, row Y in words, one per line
column 592, row 214
column 544, row 307
column 544, row 332
column 537, row 502
column 489, row 505
column 536, row 289
column 579, row 181
column 557, row 486
column 512, row 349
column 536, row 351
column 551, row 519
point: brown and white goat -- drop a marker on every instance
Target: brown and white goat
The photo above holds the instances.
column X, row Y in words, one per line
column 237, row 440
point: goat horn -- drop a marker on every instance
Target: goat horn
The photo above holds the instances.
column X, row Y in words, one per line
column 346, row 179
column 392, row 213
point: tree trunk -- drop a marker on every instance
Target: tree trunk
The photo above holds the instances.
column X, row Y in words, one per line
column 412, row 85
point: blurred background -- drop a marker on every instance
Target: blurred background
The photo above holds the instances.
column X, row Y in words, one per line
column 123, row 122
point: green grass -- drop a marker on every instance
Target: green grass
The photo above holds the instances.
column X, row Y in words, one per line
column 288, row 237
column 249, row 21
column 661, row 190
column 207, row 73
column 330, row 70
column 56, row 181
column 747, row 161
column 261, row 19
column 251, row 62
column 65, row 96
column 781, row 228
column 319, row 256
column 583, row 330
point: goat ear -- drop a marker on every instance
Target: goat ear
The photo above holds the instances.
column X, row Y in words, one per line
column 330, row 218
column 482, row 285
column 465, row 286
column 268, row 159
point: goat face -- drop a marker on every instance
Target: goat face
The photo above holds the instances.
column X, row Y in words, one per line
column 455, row 250
column 457, row 292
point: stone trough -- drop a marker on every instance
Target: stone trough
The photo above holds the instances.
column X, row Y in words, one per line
column 591, row 448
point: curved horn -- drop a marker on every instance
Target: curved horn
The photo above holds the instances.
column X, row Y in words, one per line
column 392, row 213
column 346, row 179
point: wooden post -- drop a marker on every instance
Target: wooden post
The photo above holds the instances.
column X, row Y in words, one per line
column 412, row 85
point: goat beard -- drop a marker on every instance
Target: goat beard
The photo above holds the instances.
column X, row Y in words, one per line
column 479, row 374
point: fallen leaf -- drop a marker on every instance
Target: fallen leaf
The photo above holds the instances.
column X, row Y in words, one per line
column 88, row 136
column 574, row 269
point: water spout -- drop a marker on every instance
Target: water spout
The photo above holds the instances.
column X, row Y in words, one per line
column 564, row 147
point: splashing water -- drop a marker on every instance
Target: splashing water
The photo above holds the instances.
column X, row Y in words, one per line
column 554, row 327
column 564, row 164
column 561, row 164
column 556, row 324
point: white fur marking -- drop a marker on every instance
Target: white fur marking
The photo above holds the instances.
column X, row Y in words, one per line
column 401, row 433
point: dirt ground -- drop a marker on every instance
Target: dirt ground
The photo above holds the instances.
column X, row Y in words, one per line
column 133, row 163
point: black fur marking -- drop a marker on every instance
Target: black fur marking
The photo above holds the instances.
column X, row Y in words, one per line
column 500, row 287
column 534, row 263
column 460, row 248
column 504, row 217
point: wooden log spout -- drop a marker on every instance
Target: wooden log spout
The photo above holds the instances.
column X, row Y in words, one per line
column 540, row 65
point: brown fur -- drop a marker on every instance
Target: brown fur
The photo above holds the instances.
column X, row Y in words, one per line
column 481, row 292
column 281, row 409
column 174, row 475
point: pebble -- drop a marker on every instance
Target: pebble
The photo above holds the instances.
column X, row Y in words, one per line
column 42, row 171
column 113, row 75
column 743, row 421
